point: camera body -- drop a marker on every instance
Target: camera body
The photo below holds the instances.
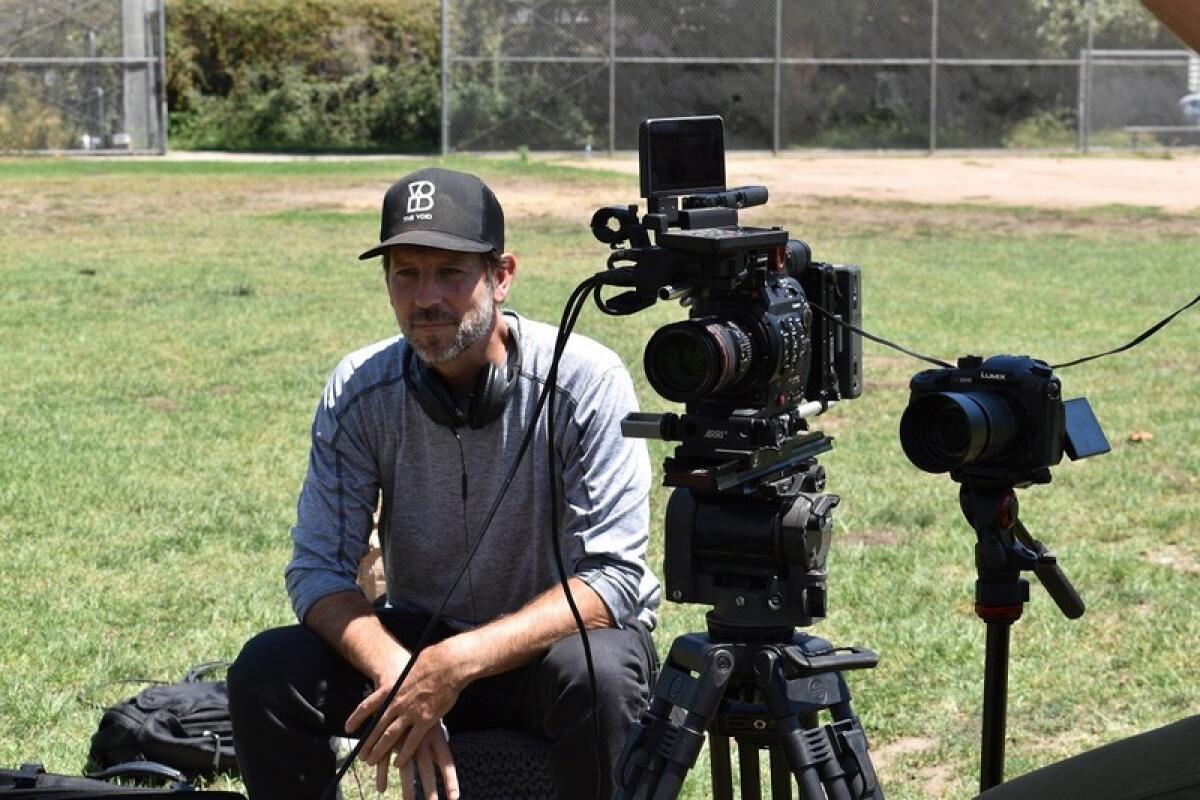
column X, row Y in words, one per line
column 1002, row 417
column 748, row 527
column 761, row 339
column 757, row 348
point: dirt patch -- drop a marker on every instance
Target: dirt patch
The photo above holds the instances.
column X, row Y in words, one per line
column 850, row 208
column 935, row 778
column 522, row 198
column 1176, row 558
column 1172, row 184
column 160, row 403
column 871, row 538
column 914, row 196
column 886, row 756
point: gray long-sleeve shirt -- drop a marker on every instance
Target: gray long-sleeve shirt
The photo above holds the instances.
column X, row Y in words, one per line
column 370, row 436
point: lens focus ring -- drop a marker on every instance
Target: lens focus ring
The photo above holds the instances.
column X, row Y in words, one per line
column 688, row 361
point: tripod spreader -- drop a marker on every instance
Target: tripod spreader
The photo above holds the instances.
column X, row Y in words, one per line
column 1003, row 550
column 763, row 694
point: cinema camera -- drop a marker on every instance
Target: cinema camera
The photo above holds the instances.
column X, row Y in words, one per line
column 996, row 424
column 752, row 364
column 748, row 527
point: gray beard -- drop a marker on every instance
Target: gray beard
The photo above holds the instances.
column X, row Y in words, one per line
column 475, row 325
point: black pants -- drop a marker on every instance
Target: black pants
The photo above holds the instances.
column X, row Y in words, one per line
column 289, row 692
column 1159, row 764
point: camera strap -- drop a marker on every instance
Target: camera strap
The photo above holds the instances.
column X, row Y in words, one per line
column 1153, row 329
column 834, row 318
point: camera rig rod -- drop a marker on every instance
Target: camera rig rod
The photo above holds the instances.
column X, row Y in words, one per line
column 1003, row 550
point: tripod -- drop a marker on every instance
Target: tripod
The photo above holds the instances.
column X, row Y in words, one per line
column 1003, row 550
column 748, row 533
column 764, row 689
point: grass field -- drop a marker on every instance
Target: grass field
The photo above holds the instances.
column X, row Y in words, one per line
column 166, row 328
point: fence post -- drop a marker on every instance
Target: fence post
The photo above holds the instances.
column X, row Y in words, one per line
column 933, row 87
column 775, row 136
column 612, row 77
column 135, row 80
column 162, row 77
column 1085, row 100
column 445, row 57
column 1081, row 103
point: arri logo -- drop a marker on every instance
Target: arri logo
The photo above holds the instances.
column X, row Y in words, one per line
column 420, row 196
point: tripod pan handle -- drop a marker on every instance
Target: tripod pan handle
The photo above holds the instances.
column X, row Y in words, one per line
column 1060, row 588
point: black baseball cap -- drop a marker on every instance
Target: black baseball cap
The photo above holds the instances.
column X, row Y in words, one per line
column 441, row 208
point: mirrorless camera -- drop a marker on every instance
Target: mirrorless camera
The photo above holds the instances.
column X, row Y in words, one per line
column 1002, row 417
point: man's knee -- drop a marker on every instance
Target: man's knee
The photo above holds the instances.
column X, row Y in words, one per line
column 620, row 657
column 253, row 662
column 266, row 660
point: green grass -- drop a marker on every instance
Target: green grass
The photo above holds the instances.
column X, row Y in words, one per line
column 166, row 328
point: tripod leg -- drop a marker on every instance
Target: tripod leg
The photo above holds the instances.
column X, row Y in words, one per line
column 850, row 741
column 722, row 771
column 781, row 776
column 995, row 705
column 751, row 781
column 662, row 748
column 834, row 756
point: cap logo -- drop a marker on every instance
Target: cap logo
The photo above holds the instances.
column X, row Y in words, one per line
column 420, row 197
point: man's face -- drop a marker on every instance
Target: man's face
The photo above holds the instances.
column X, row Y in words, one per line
column 443, row 300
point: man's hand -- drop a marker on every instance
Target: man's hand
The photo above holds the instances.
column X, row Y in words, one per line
column 411, row 724
column 433, row 752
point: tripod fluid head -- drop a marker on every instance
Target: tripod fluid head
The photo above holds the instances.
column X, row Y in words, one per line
column 748, row 532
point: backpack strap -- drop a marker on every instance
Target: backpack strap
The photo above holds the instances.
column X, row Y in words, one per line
column 143, row 769
column 196, row 673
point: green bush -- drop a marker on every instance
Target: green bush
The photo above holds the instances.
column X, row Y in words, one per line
column 303, row 74
column 1045, row 129
column 27, row 122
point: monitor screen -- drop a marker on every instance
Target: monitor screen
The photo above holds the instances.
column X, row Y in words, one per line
column 681, row 156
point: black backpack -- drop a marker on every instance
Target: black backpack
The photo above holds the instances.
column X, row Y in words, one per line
column 183, row 725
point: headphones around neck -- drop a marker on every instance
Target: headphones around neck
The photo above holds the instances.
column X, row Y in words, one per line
column 489, row 395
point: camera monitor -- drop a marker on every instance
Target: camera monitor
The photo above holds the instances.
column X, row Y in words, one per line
column 681, row 156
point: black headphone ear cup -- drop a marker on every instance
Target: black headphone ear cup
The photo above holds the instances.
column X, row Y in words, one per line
column 489, row 396
column 489, row 387
column 495, row 383
column 431, row 393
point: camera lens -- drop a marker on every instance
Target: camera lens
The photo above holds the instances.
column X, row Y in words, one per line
column 690, row 360
column 944, row 430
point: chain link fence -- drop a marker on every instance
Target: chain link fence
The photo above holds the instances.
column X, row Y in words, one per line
column 852, row 74
column 82, row 76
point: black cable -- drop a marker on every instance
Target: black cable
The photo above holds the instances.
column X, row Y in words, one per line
column 839, row 321
column 552, row 385
column 579, row 292
column 462, row 460
column 1146, row 334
